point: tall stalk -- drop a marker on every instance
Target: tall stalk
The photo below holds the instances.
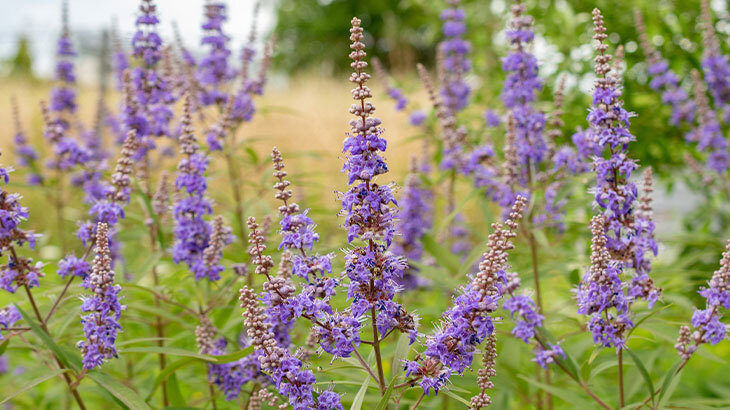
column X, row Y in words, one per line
column 234, row 177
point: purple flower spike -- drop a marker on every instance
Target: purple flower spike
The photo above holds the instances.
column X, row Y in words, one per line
column 454, row 49
column 102, row 308
column 467, row 323
column 192, row 231
column 369, row 217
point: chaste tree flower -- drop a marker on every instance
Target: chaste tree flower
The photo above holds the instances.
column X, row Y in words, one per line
column 287, row 371
column 213, row 70
column 415, row 218
column 111, row 209
column 63, row 95
column 395, row 93
column 229, row 377
column 152, row 90
column 102, row 308
column 621, row 239
column 708, row 134
column 520, row 88
column 9, row 315
column 663, row 79
column 706, row 322
column 467, row 323
column 372, row 270
column 455, row 49
column 714, row 64
column 18, row 271
column 27, row 155
column 192, row 231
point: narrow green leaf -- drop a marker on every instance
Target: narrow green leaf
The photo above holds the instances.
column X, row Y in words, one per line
column 383, row 403
column 148, row 206
column 401, row 352
column 173, row 391
column 357, row 402
column 457, row 397
column 67, row 360
column 444, row 258
column 31, row 384
column 227, row 358
column 170, row 351
column 647, row 316
column 644, row 373
column 569, row 396
column 126, row 395
column 169, row 369
column 668, row 379
column 4, row 346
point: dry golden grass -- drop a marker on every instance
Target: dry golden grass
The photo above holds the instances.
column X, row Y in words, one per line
column 306, row 117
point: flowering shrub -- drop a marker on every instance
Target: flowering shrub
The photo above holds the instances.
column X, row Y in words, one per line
column 401, row 306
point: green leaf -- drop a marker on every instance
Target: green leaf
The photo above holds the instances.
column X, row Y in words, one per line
column 442, row 255
column 169, row 369
column 668, row 379
column 457, row 397
column 173, row 391
column 46, row 376
column 357, row 402
column 383, row 403
column 126, row 395
column 570, row 397
column 644, row 373
column 170, row 351
column 66, row 359
column 151, row 212
column 647, row 316
column 401, row 352
column 4, row 346
column 227, row 358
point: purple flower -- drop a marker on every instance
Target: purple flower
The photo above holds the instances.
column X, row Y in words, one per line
column 73, row 266
column 528, row 319
column 492, row 118
column 8, row 316
column 102, row 308
column 27, row 155
column 192, row 231
column 213, row 70
column 543, row 356
column 417, row 117
column 450, row 349
column 708, row 134
column 521, row 87
column 455, row 91
column 415, row 216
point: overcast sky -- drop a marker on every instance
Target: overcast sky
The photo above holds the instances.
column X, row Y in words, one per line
column 40, row 20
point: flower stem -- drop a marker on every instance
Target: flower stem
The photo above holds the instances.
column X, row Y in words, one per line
column 59, row 212
column 160, row 328
column 418, row 401
column 376, row 348
column 621, row 399
column 366, row 366
column 66, row 377
column 234, row 176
